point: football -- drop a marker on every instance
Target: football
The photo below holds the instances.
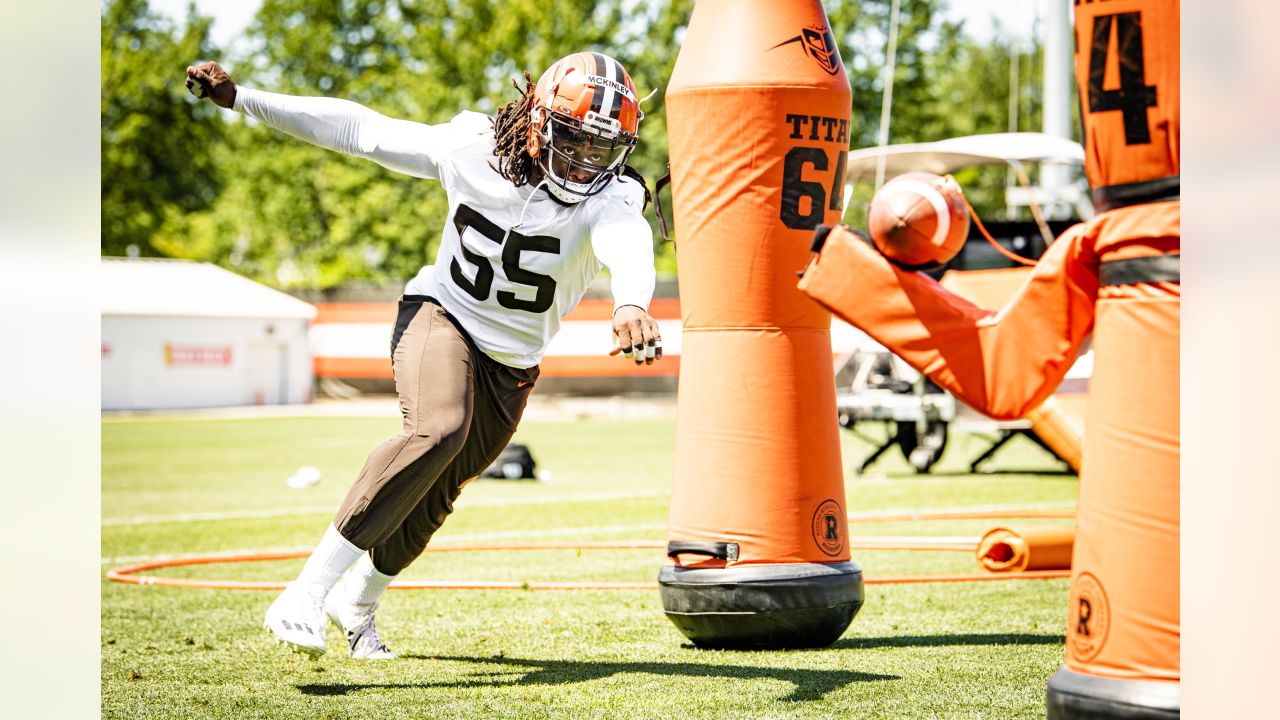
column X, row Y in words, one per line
column 919, row 220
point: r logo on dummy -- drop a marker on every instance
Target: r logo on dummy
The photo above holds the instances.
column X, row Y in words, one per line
column 1090, row 617
column 827, row 531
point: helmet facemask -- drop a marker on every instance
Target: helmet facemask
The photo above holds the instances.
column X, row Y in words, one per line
column 583, row 124
column 580, row 157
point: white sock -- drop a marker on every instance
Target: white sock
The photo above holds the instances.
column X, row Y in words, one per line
column 328, row 561
column 364, row 584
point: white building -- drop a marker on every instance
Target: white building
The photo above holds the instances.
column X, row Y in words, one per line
column 182, row 334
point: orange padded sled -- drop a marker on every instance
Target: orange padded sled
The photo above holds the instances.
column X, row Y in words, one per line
column 758, row 128
column 1018, row 549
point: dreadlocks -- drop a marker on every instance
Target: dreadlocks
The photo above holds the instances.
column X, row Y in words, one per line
column 635, row 175
column 511, row 138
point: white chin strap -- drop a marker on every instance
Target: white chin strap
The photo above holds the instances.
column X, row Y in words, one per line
column 563, row 189
column 564, row 195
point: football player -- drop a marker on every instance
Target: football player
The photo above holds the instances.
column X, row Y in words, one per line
column 540, row 200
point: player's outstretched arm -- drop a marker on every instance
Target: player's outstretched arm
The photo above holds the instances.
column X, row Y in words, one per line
column 331, row 123
column 623, row 242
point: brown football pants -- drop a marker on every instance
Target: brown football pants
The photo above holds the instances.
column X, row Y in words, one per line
column 460, row 409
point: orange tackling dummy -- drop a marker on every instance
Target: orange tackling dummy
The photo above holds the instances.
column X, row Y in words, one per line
column 758, row 536
column 1118, row 277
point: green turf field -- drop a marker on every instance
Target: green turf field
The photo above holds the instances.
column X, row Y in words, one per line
column 172, row 487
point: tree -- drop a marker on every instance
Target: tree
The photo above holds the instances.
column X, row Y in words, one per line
column 158, row 151
column 971, row 89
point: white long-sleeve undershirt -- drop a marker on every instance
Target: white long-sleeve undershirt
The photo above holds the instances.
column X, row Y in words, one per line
column 350, row 128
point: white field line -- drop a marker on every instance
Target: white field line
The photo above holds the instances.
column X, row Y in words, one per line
column 441, row 542
column 385, row 407
column 550, row 532
column 315, row 509
column 210, row 516
column 506, row 502
column 1041, row 505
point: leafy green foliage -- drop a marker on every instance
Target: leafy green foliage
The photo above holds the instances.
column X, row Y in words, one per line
column 158, row 151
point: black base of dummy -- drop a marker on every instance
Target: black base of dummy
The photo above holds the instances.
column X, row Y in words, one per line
column 802, row 605
column 1076, row 696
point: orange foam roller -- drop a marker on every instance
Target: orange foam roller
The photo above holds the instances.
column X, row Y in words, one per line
column 1059, row 430
column 758, row 128
column 1018, row 549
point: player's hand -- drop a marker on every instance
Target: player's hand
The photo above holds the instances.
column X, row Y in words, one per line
column 636, row 335
column 211, row 81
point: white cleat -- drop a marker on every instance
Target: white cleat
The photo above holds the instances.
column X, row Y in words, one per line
column 357, row 623
column 296, row 618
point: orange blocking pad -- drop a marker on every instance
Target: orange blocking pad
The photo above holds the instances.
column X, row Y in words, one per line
column 1055, row 425
column 1016, row 549
column 1123, row 607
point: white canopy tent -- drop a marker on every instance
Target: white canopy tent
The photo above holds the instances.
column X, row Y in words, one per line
column 944, row 156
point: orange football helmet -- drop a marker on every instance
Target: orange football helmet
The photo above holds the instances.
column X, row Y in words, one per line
column 586, row 117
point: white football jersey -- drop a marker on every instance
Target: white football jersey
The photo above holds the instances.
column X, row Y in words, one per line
column 512, row 261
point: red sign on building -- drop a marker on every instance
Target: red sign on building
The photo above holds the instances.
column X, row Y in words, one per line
column 197, row 355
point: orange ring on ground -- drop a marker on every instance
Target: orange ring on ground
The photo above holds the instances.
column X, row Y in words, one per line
column 128, row 573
